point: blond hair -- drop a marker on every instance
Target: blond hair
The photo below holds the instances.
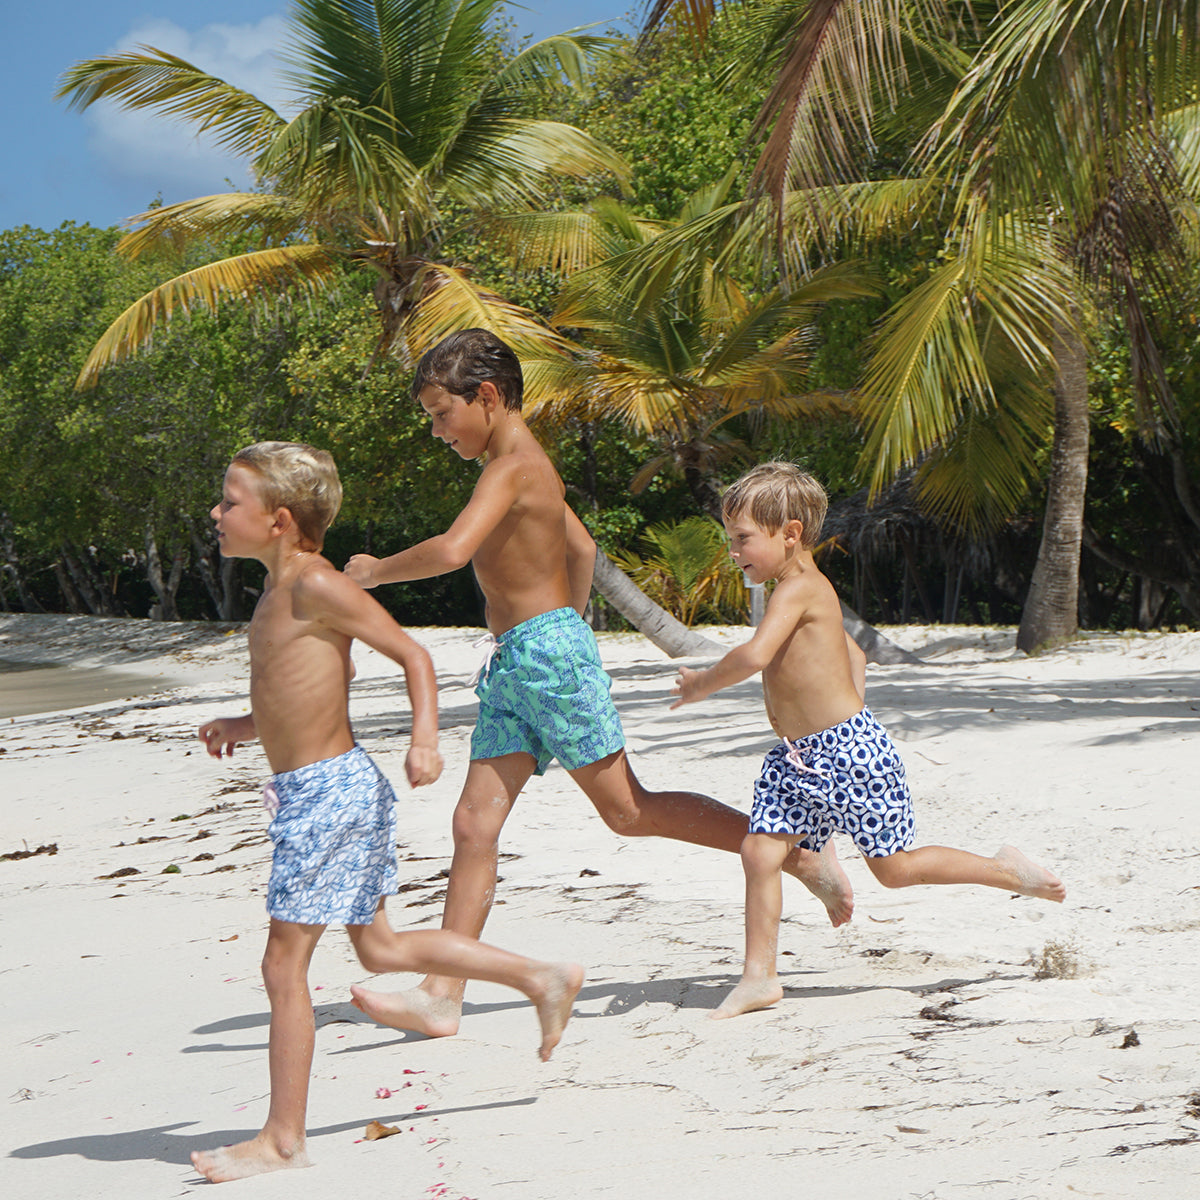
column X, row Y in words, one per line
column 774, row 493
column 301, row 479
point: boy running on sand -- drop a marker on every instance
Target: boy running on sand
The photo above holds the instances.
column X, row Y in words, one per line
column 333, row 824
column 836, row 767
column 543, row 693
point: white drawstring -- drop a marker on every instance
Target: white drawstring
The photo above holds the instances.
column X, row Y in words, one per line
column 795, row 757
column 492, row 645
column 270, row 799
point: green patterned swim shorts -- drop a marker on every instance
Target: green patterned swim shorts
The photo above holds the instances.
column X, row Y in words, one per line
column 545, row 693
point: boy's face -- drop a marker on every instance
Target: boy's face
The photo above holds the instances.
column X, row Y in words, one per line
column 243, row 524
column 756, row 551
column 462, row 424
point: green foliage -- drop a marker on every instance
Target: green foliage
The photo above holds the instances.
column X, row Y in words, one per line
column 686, row 569
column 673, row 113
column 409, row 111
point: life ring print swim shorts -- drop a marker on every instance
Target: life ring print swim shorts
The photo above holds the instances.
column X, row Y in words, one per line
column 848, row 778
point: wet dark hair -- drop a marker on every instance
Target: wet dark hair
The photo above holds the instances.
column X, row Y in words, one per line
column 464, row 360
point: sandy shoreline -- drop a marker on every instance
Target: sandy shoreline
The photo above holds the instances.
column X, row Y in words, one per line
column 136, row 1022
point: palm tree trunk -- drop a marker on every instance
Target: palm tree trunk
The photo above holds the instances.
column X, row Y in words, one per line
column 1051, row 612
column 672, row 637
column 676, row 640
column 872, row 643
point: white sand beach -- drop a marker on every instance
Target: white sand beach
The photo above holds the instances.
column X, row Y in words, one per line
column 948, row 1044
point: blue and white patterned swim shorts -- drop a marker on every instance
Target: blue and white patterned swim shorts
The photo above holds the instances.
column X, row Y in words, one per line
column 847, row 778
column 335, row 842
column 545, row 693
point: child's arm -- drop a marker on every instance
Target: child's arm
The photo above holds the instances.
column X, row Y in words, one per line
column 858, row 667
column 581, row 561
column 223, row 734
column 335, row 601
column 493, row 497
column 784, row 611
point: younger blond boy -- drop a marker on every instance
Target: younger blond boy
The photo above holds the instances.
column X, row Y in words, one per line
column 835, row 769
column 333, row 821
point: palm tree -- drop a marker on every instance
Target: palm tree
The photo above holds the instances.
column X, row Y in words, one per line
column 687, row 569
column 677, row 353
column 1061, row 172
column 406, row 112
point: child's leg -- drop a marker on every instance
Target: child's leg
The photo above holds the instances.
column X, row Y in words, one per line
column 629, row 809
column 1009, row 870
column 280, row 1143
column 489, row 792
column 763, row 855
column 551, row 986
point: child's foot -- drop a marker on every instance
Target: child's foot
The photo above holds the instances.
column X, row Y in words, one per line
column 1031, row 879
column 255, row 1157
column 415, row 1009
column 560, row 985
column 822, row 874
column 749, row 995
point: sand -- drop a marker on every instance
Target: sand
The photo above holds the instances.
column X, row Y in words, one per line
column 1040, row 1051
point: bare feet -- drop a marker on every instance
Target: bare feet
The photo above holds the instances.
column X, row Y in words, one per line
column 1031, row 880
column 559, row 986
column 254, row 1157
column 822, row 874
column 749, row 995
column 415, row 1009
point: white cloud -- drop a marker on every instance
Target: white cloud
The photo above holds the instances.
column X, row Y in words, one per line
column 152, row 153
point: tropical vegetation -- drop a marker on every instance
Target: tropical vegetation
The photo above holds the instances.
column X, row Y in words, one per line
column 944, row 254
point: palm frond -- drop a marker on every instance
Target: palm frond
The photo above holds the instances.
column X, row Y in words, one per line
column 568, row 242
column 696, row 16
column 1074, row 83
column 748, row 345
column 153, row 79
column 334, row 155
column 509, row 161
column 1003, row 288
column 174, row 226
column 257, row 275
column 980, row 474
column 844, row 59
column 553, row 59
column 451, row 301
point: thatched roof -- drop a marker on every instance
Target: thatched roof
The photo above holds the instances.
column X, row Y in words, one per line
column 871, row 529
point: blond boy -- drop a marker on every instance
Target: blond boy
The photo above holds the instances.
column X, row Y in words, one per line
column 333, row 824
column 544, row 693
column 836, row 768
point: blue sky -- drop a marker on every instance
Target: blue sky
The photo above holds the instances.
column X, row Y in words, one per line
column 103, row 165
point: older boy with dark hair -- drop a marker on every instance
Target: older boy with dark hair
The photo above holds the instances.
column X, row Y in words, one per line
column 543, row 693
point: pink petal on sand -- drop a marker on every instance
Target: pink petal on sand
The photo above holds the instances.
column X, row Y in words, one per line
column 383, row 1093
column 419, row 1107
column 410, row 1071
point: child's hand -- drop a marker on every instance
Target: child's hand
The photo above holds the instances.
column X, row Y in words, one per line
column 422, row 765
column 218, row 737
column 688, row 687
column 361, row 568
